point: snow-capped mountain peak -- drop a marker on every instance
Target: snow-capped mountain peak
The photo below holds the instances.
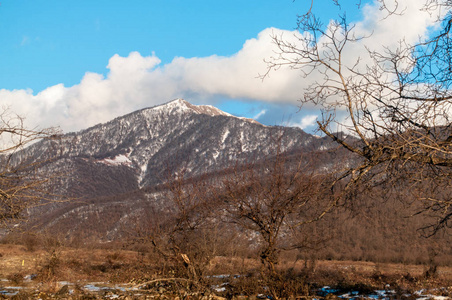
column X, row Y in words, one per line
column 181, row 105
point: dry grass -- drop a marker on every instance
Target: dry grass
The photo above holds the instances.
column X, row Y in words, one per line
column 100, row 264
column 68, row 264
column 83, row 265
column 361, row 267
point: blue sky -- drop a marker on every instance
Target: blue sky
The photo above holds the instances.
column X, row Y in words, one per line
column 76, row 63
column 50, row 42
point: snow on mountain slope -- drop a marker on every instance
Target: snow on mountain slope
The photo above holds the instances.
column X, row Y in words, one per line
column 110, row 162
column 150, row 143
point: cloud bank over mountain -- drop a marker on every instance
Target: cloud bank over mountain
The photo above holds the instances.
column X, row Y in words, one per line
column 137, row 80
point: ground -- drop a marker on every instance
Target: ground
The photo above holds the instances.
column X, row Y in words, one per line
column 118, row 273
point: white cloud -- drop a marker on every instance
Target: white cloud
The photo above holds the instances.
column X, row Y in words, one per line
column 260, row 114
column 138, row 81
column 305, row 122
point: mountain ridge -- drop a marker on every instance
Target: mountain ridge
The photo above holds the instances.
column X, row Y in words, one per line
column 138, row 151
column 178, row 104
column 143, row 140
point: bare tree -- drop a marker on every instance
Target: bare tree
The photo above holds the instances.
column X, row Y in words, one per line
column 273, row 198
column 21, row 184
column 397, row 102
column 184, row 231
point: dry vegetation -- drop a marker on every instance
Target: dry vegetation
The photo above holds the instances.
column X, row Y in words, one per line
column 45, row 265
column 242, row 234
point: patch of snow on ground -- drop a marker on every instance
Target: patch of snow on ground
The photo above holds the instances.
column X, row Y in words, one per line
column 215, row 155
column 120, row 159
column 432, row 297
column 224, row 136
column 143, row 169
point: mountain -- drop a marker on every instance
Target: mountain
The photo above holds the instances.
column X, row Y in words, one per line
column 110, row 179
column 115, row 163
column 139, row 149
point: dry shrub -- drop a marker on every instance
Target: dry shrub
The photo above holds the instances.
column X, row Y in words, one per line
column 48, row 271
column 248, row 284
column 30, row 241
column 16, row 278
column 52, row 261
column 115, row 256
column 23, row 295
column 48, row 287
column 291, row 283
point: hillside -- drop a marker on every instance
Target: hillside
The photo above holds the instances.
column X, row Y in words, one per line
column 107, row 169
column 111, row 180
column 138, row 149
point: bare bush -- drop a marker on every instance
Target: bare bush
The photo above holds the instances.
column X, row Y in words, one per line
column 21, row 183
column 184, row 233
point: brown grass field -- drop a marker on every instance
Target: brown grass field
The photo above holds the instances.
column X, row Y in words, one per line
column 86, row 265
